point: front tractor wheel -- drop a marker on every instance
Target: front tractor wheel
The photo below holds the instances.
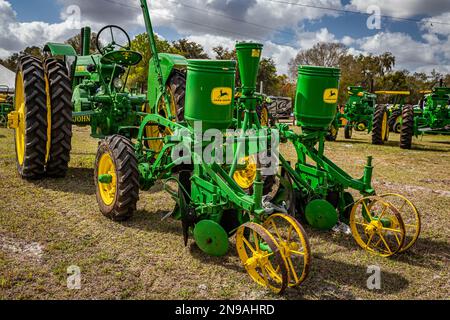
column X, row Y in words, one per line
column 116, row 178
column 380, row 133
column 29, row 118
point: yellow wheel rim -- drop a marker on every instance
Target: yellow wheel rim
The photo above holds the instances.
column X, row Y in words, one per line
column 246, row 177
column 107, row 190
column 384, row 127
column 410, row 216
column 361, row 126
column 377, row 226
column 154, row 130
column 260, row 254
column 264, row 117
column 20, row 108
column 294, row 246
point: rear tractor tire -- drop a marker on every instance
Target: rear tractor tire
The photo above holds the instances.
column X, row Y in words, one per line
column 30, row 114
column 116, row 178
column 407, row 131
column 380, row 132
column 59, row 95
column 177, row 86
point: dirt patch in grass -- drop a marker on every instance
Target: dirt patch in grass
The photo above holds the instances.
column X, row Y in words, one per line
column 48, row 226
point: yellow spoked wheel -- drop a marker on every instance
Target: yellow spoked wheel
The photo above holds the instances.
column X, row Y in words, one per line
column 261, row 256
column 377, row 226
column 108, row 188
column 294, row 246
column 410, row 216
column 246, row 177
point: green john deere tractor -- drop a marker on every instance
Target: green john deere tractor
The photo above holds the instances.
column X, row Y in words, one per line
column 6, row 104
column 432, row 116
column 395, row 109
column 361, row 113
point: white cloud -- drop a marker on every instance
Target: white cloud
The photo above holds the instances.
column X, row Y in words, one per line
column 439, row 24
column 402, row 8
column 219, row 22
column 410, row 54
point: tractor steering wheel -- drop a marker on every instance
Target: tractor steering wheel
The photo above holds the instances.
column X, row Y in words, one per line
column 112, row 38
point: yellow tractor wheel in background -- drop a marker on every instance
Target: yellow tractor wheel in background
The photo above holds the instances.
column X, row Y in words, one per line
column 29, row 118
column 176, row 89
column 263, row 115
column 261, row 256
column 116, row 178
column 246, row 177
column 294, row 244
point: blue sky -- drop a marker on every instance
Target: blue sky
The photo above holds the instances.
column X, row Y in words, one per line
column 417, row 45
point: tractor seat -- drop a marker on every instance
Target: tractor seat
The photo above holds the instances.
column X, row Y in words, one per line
column 126, row 58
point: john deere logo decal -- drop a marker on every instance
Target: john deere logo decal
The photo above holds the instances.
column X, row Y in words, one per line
column 222, row 96
column 330, row 95
column 256, row 53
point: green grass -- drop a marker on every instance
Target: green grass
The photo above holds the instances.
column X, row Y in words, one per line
column 145, row 258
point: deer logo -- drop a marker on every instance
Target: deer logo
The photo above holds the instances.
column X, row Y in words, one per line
column 221, row 96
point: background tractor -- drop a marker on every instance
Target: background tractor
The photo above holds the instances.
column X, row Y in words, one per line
column 431, row 117
column 395, row 108
column 6, row 104
column 361, row 113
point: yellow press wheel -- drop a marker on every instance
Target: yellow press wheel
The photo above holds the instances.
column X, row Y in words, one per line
column 116, row 178
column 29, row 118
column 246, row 177
column 410, row 216
column 294, row 245
column 377, row 226
column 261, row 256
